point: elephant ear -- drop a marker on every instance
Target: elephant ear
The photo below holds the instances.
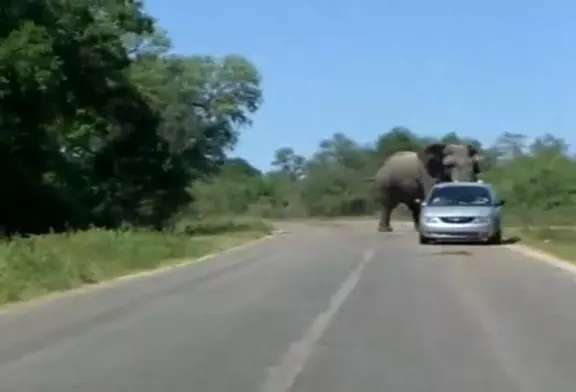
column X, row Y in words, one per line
column 472, row 151
column 476, row 158
column 433, row 156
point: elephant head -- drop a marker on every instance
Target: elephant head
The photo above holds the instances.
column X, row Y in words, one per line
column 451, row 162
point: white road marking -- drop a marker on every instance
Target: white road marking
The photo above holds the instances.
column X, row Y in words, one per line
column 553, row 261
column 281, row 378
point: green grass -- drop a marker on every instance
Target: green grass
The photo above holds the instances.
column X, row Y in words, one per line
column 557, row 241
column 537, row 218
column 552, row 231
column 31, row 267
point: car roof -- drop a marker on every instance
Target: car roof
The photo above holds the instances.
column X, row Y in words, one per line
column 457, row 184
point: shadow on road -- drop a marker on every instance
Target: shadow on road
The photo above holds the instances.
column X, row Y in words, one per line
column 511, row 240
column 505, row 241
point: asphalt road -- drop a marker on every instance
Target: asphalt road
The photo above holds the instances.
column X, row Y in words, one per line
column 332, row 308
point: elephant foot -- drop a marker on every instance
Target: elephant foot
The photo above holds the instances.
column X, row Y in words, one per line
column 385, row 229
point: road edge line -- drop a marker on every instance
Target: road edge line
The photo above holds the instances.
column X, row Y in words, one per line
column 539, row 255
column 109, row 283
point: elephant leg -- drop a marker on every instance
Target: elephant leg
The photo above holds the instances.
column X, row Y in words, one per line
column 414, row 208
column 387, row 206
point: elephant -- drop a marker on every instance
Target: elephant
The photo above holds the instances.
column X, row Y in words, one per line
column 406, row 177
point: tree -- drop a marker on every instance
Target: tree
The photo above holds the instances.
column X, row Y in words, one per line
column 398, row 139
column 239, row 168
column 204, row 103
column 119, row 127
column 64, row 62
column 287, row 162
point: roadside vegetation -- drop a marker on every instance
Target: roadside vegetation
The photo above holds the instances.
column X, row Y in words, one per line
column 104, row 133
column 117, row 154
column 536, row 177
column 38, row 265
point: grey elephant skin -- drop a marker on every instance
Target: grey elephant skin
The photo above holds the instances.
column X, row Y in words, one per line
column 406, row 177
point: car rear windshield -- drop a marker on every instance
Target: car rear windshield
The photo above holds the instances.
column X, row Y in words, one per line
column 460, row 196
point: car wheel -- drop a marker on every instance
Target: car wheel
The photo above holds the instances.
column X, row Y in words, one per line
column 496, row 239
column 423, row 240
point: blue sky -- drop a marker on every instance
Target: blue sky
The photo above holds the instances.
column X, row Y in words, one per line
column 475, row 67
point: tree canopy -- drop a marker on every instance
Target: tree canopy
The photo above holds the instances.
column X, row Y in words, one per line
column 100, row 124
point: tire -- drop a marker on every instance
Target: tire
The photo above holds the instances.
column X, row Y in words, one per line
column 496, row 239
column 423, row 240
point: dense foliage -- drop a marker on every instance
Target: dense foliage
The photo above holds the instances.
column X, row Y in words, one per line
column 100, row 125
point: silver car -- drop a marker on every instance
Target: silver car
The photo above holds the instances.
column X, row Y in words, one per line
column 461, row 211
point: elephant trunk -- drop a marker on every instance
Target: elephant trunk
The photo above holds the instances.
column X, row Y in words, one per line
column 427, row 180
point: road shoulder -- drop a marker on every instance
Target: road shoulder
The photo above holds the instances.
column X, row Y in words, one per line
column 545, row 257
